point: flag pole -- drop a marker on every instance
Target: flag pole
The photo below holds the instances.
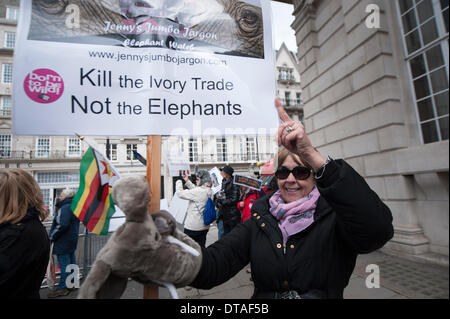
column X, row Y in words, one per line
column 154, row 183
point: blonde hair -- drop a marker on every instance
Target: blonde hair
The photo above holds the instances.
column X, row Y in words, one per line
column 284, row 153
column 18, row 192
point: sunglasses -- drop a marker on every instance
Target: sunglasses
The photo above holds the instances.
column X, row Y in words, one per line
column 300, row 172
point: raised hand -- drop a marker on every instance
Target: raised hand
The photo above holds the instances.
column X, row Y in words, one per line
column 291, row 134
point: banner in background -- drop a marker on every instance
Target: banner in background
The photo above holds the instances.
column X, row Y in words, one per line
column 246, row 181
column 123, row 67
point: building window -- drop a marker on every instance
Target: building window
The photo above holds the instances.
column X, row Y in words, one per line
column 424, row 26
column 7, row 73
column 113, row 152
column 5, row 105
column 10, row 40
column 298, row 98
column 287, row 98
column 193, row 150
column 221, row 146
column 181, row 143
column 58, row 177
column 12, row 13
column 73, row 147
column 130, row 149
column 5, row 145
column 251, row 148
column 43, row 147
column 286, row 74
column 248, row 149
column 46, row 197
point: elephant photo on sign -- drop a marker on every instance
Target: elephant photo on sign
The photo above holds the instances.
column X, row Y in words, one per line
column 230, row 27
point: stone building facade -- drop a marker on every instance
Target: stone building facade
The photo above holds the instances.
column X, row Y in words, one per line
column 289, row 88
column 375, row 92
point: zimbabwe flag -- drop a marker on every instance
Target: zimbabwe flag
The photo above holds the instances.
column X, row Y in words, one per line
column 93, row 204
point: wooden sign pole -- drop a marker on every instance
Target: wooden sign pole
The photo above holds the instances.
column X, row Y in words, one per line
column 154, row 183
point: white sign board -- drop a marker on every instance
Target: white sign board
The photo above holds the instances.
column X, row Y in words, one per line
column 125, row 67
column 178, row 165
column 119, row 216
column 116, row 220
column 216, row 179
column 178, row 208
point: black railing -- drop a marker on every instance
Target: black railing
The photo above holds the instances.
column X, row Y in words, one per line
column 290, row 102
column 288, row 78
column 87, row 249
column 34, row 155
column 5, row 113
column 229, row 158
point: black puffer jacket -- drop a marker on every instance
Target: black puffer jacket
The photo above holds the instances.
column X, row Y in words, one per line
column 24, row 255
column 228, row 210
column 350, row 219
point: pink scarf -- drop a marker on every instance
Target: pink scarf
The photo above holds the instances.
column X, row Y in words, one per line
column 295, row 216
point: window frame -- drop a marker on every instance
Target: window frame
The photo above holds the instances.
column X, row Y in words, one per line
column 194, row 150
column 39, row 152
column 69, row 152
column 15, row 10
column 3, row 145
column 442, row 42
column 4, row 66
column 113, row 151
column 57, row 177
column 222, row 152
column 6, row 40
column 5, row 108
column 248, row 148
column 130, row 148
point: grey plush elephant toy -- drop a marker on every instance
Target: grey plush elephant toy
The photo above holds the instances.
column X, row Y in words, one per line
column 147, row 248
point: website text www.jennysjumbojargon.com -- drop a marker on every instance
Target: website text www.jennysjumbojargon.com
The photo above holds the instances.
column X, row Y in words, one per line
column 151, row 57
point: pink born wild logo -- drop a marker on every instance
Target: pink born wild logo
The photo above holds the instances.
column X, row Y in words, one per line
column 43, row 85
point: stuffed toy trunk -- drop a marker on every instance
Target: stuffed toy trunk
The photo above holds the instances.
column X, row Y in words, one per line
column 147, row 248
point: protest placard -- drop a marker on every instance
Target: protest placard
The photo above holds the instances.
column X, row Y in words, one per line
column 113, row 67
column 178, row 165
column 246, row 181
column 216, row 179
column 178, row 208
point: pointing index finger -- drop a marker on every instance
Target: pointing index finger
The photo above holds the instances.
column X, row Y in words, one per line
column 281, row 112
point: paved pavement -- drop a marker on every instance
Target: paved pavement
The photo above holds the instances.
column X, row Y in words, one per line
column 399, row 279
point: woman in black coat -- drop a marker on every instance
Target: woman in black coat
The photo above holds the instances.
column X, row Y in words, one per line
column 24, row 244
column 302, row 241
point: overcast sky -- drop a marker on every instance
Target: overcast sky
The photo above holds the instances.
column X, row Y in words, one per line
column 281, row 30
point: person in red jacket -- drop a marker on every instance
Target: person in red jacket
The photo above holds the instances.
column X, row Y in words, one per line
column 248, row 198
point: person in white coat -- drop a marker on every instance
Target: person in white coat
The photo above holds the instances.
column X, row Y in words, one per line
column 197, row 196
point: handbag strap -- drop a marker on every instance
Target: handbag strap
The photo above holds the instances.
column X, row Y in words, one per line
column 202, row 213
column 198, row 208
